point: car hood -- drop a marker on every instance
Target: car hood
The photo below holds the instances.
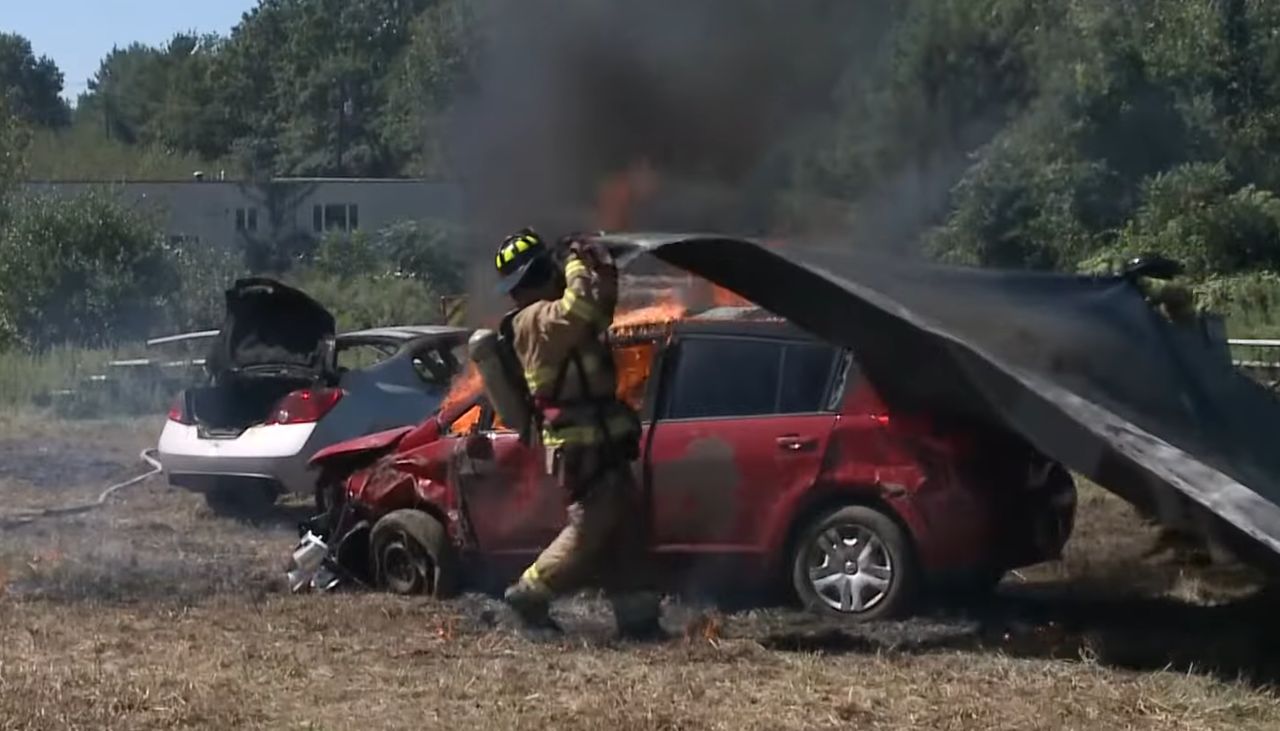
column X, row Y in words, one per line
column 1080, row 367
column 273, row 329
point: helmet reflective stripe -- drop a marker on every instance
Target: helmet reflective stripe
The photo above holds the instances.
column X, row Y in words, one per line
column 514, row 247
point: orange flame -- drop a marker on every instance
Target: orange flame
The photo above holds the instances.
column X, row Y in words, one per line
column 725, row 298
column 655, row 314
column 706, row 627
column 633, row 366
column 465, row 388
column 619, row 193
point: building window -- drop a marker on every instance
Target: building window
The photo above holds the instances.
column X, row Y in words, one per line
column 246, row 219
column 335, row 217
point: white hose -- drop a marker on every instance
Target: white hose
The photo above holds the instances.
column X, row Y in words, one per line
column 147, row 455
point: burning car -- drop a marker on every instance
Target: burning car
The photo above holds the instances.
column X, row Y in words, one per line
column 763, row 448
column 283, row 386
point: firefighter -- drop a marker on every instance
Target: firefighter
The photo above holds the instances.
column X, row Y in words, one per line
column 590, row 438
column 1160, row 282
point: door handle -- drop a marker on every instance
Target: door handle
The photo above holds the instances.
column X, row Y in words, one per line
column 795, row 443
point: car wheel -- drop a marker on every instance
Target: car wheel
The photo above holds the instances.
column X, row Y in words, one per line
column 854, row 563
column 412, row 554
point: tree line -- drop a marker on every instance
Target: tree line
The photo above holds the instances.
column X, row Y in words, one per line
column 1049, row 134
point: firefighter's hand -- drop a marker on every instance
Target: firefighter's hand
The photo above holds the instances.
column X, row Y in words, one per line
column 593, row 254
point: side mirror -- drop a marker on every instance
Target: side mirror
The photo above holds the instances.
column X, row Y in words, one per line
column 478, row 446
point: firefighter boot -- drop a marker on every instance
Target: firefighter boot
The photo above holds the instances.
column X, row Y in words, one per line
column 532, row 606
column 637, row 615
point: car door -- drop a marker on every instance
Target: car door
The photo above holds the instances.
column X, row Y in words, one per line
column 743, row 422
column 515, row 507
column 512, row 503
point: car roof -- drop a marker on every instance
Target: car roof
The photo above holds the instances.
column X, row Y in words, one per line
column 401, row 333
column 389, row 334
column 740, row 321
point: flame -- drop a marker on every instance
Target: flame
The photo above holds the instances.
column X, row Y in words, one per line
column 706, row 626
column 655, row 314
column 633, row 364
column 466, row 424
column 725, row 298
column 619, row 193
column 465, row 388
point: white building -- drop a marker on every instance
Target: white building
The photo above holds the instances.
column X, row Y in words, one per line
column 232, row 212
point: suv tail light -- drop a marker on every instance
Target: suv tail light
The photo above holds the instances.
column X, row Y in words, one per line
column 178, row 410
column 305, row 406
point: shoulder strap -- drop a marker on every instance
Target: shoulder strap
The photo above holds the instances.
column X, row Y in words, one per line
column 511, row 363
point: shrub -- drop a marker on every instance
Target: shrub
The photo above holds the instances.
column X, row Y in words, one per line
column 421, row 250
column 81, row 270
column 365, row 300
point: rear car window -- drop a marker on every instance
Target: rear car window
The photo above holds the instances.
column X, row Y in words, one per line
column 806, row 377
column 435, row 365
column 363, row 355
column 726, row 377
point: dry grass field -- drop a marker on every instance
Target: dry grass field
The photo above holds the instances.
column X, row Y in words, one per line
column 154, row 613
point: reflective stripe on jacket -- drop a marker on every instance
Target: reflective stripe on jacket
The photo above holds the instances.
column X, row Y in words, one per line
column 548, row 335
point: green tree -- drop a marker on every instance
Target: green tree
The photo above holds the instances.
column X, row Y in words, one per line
column 13, row 145
column 31, row 86
column 85, row 270
column 426, row 251
column 424, row 82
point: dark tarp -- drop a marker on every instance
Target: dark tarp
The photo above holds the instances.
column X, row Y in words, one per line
column 1081, row 367
column 273, row 329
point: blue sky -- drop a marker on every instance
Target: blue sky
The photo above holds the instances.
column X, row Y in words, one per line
column 78, row 33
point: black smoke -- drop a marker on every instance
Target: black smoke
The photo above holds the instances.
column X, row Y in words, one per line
column 715, row 95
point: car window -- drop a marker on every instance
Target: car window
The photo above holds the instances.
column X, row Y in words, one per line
column 845, row 372
column 719, row 377
column 436, row 365
column 727, row 377
column 363, row 355
column 806, row 376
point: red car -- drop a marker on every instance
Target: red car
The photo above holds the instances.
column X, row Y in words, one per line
column 762, row 448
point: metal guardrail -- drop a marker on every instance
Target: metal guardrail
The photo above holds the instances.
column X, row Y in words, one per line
column 1257, row 362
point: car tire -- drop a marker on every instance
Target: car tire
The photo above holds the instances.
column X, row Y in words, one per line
column 412, row 555
column 854, row 563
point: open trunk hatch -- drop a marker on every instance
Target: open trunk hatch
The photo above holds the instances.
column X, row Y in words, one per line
column 275, row 340
column 273, row 330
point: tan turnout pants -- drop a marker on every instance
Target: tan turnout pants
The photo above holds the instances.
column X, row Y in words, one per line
column 603, row 542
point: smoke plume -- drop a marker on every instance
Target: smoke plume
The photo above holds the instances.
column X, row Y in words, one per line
column 711, row 96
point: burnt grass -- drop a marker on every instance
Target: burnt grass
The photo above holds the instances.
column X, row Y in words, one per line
column 153, row 612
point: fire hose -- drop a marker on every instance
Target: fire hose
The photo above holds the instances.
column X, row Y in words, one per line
column 147, row 455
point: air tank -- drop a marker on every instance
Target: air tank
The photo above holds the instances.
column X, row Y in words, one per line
column 507, row 394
